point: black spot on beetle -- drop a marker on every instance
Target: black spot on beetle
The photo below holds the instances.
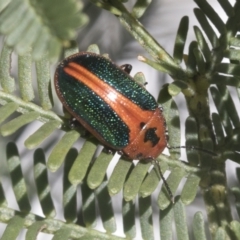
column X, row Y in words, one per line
column 151, row 135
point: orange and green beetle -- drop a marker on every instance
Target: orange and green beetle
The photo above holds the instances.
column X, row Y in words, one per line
column 111, row 105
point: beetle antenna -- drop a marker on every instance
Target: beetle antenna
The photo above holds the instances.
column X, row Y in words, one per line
column 195, row 148
column 156, row 163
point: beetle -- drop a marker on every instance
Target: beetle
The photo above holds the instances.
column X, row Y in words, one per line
column 111, row 105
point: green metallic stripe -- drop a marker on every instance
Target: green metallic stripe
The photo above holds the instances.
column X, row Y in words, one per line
column 92, row 110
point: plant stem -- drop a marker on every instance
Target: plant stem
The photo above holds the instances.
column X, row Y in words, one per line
column 51, row 226
column 216, row 201
column 24, row 107
column 136, row 29
column 214, row 189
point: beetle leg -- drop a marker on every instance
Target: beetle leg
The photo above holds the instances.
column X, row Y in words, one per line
column 156, row 164
column 108, row 150
column 126, row 67
column 73, row 123
column 120, row 153
column 160, row 108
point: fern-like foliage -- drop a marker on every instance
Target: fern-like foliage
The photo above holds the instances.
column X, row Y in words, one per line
column 79, row 224
column 45, row 27
column 35, row 37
